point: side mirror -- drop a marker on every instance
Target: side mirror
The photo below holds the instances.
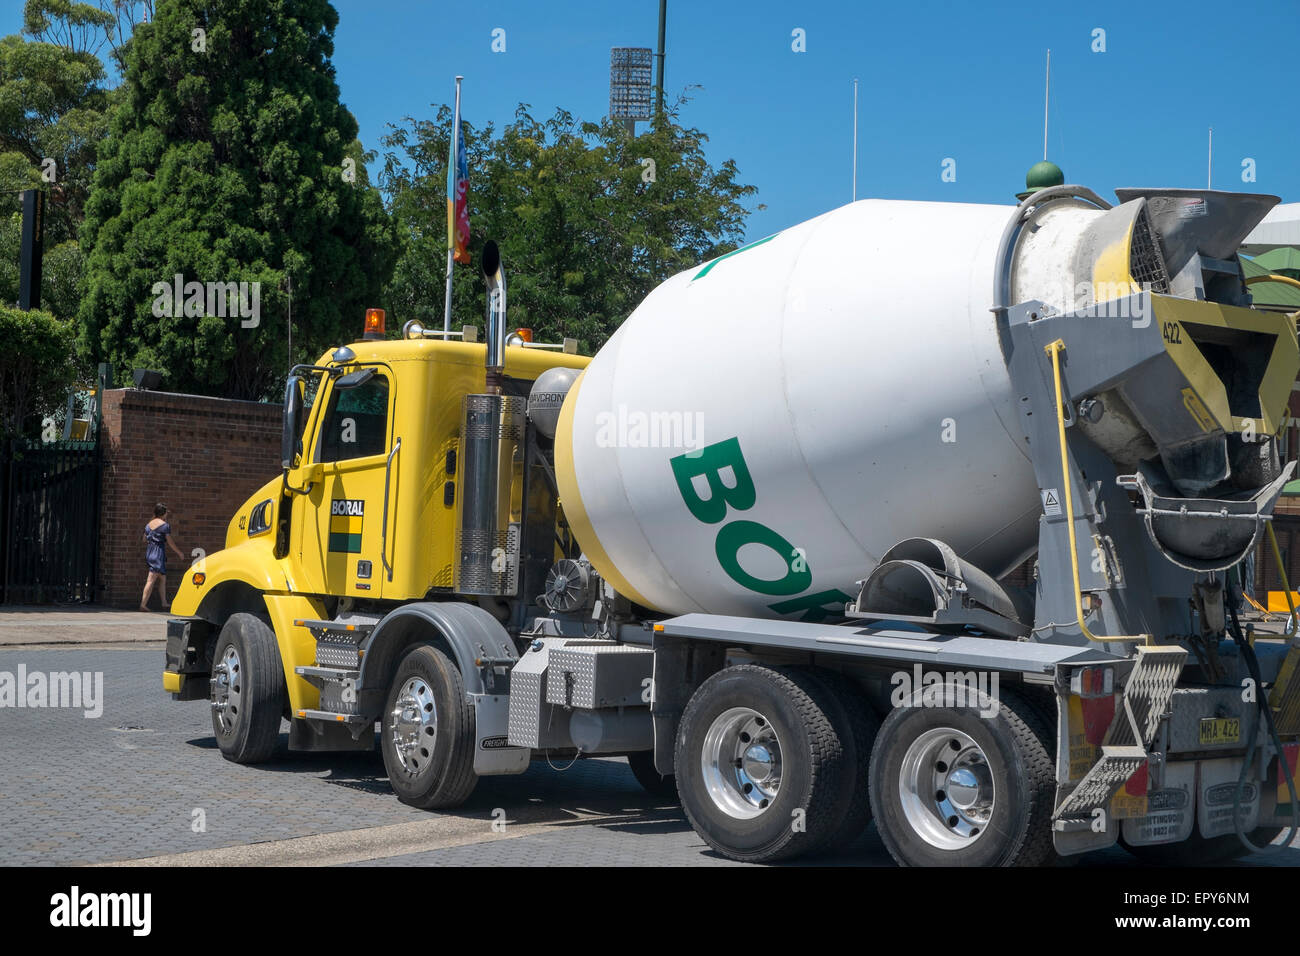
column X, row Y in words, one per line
column 292, row 425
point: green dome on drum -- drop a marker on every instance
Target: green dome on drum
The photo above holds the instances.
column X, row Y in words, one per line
column 1040, row 176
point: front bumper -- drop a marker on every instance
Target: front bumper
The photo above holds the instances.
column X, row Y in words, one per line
column 188, row 659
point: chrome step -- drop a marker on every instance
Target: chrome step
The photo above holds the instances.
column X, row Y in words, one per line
column 327, row 673
column 332, row 717
column 335, row 627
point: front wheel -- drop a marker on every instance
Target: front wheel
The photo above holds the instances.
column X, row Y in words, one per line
column 247, row 690
column 428, row 732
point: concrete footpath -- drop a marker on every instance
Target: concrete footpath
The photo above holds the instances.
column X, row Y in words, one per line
column 62, row 625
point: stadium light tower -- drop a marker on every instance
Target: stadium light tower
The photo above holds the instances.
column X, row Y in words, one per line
column 629, row 85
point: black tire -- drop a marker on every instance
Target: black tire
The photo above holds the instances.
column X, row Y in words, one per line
column 437, row 773
column 1015, row 746
column 857, row 724
column 651, row 780
column 250, row 684
column 1196, row 850
column 807, row 806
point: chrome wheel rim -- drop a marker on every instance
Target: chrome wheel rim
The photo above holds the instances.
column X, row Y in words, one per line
column 741, row 763
column 414, row 726
column 228, row 690
column 946, row 788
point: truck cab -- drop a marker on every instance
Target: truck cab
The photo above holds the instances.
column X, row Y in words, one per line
column 367, row 516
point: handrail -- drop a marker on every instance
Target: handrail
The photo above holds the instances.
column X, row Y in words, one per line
column 383, row 526
column 1054, row 350
column 1281, row 572
column 1001, row 266
column 1268, row 615
column 1272, row 277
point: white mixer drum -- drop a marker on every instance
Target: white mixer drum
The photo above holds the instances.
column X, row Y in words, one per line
column 764, row 426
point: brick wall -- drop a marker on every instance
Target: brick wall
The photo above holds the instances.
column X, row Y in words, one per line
column 202, row 457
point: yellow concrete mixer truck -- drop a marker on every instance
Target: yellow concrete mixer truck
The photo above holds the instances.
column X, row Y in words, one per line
column 754, row 545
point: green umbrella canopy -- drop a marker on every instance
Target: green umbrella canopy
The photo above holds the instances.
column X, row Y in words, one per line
column 1269, row 293
column 1283, row 257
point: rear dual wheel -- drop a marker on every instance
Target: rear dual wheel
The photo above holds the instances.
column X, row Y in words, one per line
column 965, row 786
column 775, row 762
column 772, row 762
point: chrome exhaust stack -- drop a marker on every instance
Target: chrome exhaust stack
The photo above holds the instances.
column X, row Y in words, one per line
column 491, row 432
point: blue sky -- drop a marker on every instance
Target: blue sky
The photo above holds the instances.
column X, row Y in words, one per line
column 938, row 80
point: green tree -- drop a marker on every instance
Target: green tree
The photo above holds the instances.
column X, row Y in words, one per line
column 53, row 110
column 230, row 159
column 35, row 373
column 588, row 218
column 61, row 271
column 123, row 17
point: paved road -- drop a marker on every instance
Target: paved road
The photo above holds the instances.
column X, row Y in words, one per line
column 144, row 782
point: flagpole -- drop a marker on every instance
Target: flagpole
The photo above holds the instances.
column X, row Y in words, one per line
column 855, row 139
column 451, row 173
column 1047, row 99
column 1209, row 162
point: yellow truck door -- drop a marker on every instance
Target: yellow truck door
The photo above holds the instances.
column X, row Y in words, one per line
column 339, row 525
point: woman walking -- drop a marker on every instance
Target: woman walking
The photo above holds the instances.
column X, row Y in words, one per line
column 156, row 535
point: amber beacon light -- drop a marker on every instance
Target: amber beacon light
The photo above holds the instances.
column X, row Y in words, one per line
column 374, row 328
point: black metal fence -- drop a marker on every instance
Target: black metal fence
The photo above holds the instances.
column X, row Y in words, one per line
column 50, row 521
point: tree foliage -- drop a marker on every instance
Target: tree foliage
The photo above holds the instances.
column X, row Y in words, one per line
column 78, row 27
column 53, row 111
column 35, row 373
column 60, row 272
column 588, row 218
column 226, row 163
column 104, row 27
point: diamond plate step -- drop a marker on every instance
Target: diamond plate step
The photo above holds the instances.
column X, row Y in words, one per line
column 1102, row 782
column 1147, row 698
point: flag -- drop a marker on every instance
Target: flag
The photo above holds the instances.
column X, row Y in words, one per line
column 458, row 193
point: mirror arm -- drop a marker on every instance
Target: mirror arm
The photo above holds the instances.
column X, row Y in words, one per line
column 284, row 483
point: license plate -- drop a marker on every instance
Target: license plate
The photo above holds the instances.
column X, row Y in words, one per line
column 1221, row 730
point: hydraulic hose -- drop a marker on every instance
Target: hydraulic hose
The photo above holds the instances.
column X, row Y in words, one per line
column 1252, row 664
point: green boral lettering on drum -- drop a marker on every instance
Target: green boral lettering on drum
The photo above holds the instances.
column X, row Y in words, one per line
column 710, row 463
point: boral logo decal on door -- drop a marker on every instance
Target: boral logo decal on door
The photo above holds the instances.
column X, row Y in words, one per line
column 346, row 516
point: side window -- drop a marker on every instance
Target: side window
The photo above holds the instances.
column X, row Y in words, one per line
column 310, row 388
column 355, row 424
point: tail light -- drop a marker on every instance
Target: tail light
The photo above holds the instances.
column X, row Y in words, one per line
column 1093, row 681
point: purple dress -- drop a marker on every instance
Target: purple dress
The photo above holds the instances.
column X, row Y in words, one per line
column 154, row 553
